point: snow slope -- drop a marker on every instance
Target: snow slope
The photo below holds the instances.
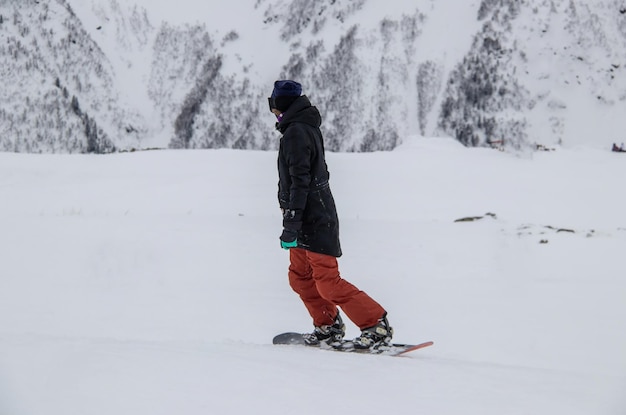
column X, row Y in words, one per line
column 557, row 67
column 83, row 76
column 152, row 283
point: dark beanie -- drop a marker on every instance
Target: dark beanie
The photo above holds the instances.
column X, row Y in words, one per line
column 285, row 93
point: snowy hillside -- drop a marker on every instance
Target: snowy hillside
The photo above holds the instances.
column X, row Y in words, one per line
column 58, row 87
column 153, row 282
column 99, row 75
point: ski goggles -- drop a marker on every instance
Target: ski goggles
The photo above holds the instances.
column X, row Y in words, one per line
column 272, row 103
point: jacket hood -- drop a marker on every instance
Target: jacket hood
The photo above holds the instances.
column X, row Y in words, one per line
column 300, row 111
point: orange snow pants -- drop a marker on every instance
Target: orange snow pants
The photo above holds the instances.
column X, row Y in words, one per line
column 315, row 278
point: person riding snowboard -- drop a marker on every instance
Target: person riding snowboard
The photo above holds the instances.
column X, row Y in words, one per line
column 311, row 228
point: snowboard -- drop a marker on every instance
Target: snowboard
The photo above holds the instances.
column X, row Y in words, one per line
column 394, row 349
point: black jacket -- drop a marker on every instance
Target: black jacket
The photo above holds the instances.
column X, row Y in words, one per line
column 303, row 178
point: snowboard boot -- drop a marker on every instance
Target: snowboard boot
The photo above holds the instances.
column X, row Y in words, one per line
column 376, row 336
column 331, row 335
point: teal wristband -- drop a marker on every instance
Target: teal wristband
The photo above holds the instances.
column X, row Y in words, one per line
column 287, row 245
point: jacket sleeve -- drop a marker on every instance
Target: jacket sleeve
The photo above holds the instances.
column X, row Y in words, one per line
column 297, row 147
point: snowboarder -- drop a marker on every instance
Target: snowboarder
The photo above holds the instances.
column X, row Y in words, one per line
column 619, row 149
column 311, row 227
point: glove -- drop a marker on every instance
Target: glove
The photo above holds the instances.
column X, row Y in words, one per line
column 288, row 244
column 292, row 222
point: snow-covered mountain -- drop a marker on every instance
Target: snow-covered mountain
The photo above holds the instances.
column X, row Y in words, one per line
column 99, row 75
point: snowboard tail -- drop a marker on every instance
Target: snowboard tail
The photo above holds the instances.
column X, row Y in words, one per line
column 394, row 349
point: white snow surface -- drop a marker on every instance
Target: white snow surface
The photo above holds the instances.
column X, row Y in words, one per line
column 152, row 283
